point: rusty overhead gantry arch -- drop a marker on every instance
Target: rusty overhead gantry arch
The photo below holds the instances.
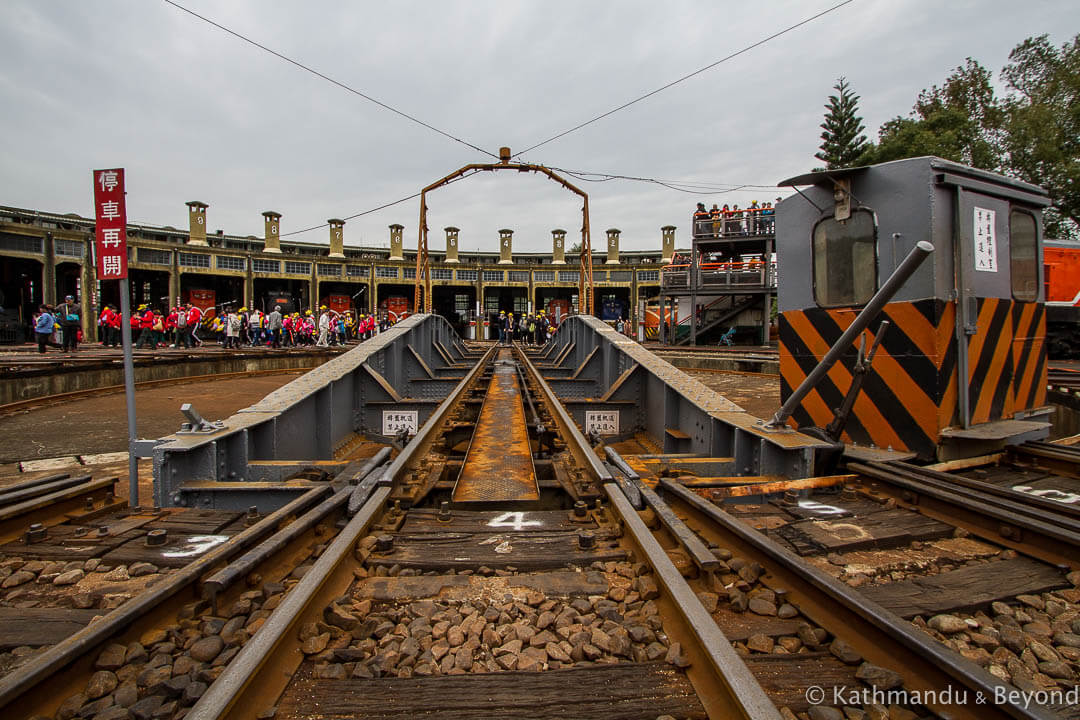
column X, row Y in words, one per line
column 422, row 290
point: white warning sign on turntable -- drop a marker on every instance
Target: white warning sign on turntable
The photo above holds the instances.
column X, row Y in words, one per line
column 602, row 422
column 985, row 240
column 394, row 421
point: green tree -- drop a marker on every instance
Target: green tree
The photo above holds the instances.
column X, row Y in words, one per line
column 841, row 141
column 960, row 121
column 1042, row 126
column 1032, row 133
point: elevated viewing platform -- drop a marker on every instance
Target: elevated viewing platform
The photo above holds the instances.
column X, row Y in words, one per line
column 724, row 288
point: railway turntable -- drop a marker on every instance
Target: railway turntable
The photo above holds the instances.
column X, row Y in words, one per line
column 424, row 527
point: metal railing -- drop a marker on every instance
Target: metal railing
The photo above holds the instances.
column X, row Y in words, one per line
column 748, row 274
column 752, row 222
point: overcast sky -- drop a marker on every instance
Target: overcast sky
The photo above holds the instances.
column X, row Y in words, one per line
column 193, row 113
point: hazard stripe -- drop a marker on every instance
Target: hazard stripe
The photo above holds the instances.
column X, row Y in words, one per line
column 990, row 373
column 1024, row 316
column 911, row 327
column 796, row 361
column 878, row 416
column 1037, row 396
column 801, row 341
column 948, row 411
column 879, row 410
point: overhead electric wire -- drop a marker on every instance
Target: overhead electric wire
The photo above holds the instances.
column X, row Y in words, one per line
column 712, row 189
column 331, row 80
column 708, row 186
column 374, row 209
column 685, row 77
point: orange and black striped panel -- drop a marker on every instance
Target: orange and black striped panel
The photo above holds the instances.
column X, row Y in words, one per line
column 1029, row 355
column 900, row 404
column 990, row 362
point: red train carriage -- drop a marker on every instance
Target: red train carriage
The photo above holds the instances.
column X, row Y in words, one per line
column 203, row 299
column 338, row 303
column 1061, row 267
column 396, row 308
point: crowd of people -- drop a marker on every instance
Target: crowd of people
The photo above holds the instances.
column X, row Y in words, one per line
column 189, row 326
column 525, row 328
column 758, row 219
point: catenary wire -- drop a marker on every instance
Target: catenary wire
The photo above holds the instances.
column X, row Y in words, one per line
column 720, row 189
column 685, row 77
column 331, row 80
column 374, row 209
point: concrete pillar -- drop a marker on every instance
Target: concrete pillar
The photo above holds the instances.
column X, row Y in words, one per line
column 174, row 280
column 613, row 246
column 396, row 243
column 506, row 246
column 196, row 222
column 48, row 270
column 88, row 296
column 668, row 243
column 272, row 225
column 558, row 247
column 452, row 244
column 249, row 284
column 337, row 238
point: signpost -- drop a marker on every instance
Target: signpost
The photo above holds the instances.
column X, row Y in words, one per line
column 110, row 249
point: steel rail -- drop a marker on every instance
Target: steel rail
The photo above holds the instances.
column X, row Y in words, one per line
column 1064, row 459
column 239, row 568
column 30, row 685
column 879, row 635
column 222, row 698
column 14, row 494
column 743, row 696
column 1015, row 527
column 55, row 505
column 575, row 441
column 234, row 693
column 36, row 481
column 1040, row 506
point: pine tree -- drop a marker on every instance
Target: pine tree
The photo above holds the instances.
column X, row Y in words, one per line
column 841, row 143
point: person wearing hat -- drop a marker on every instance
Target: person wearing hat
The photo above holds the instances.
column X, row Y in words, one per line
column 43, row 327
column 67, row 315
column 146, row 328
column 324, row 328
column 500, row 325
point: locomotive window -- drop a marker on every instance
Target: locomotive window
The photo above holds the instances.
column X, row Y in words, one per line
column 1023, row 256
column 845, row 263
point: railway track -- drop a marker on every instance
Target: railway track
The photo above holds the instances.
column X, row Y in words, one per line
column 500, row 564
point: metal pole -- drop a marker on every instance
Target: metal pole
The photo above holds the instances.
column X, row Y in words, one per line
column 862, row 320
column 129, row 392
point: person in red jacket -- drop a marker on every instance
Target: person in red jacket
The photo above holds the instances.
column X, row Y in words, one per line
column 110, row 327
column 194, row 317
column 146, row 327
column 170, row 326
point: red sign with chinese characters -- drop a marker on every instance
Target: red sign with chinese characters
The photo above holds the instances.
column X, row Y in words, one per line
column 111, row 216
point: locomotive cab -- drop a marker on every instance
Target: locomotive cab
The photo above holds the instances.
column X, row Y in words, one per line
column 961, row 367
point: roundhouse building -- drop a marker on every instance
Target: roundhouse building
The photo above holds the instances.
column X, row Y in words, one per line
column 47, row 256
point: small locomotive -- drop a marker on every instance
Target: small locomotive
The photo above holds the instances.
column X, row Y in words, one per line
column 961, row 366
